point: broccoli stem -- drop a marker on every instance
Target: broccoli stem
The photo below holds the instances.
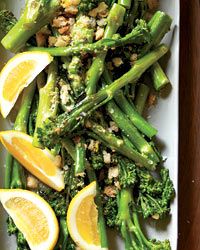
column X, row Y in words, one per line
column 68, row 122
column 101, row 220
column 14, row 175
column 47, row 101
column 141, row 97
column 129, row 109
column 138, row 35
column 64, row 234
column 70, row 148
column 8, row 170
column 130, row 131
column 159, row 25
column 80, row 162
column 160, row 80
column 36, row 14
column 113, row 142
column 115, row 20
column 125, row 3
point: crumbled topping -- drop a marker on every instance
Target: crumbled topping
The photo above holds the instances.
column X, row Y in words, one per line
column 100, row 11
column 94, row 145
column 117, row 61
column 32, row 182
column 62, row 41
column 52, row 40
column 70, row 6
column 42, row 35
column 101, row 22
column 59, row 22
column 106, row 157
column 156, row 216
column 113, row 127
column 113, row 172
column 99, row 33
column 133, row 58
column 110, row 191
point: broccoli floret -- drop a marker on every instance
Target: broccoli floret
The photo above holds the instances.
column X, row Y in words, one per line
column 129, row 225
column 155, row 195
column 36, row 14
column 7, row 21
column 85, row 5
column 97, row 160
column 110, row 210
column 57, row 200
column 127, row 173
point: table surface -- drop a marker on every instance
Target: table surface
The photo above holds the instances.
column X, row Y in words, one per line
column 189, row 154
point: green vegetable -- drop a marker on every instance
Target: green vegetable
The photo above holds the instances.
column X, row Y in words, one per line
column 141, row 97
column 36, row 14
column 128, row 223
column 140, row 34
column 160, row 80
column 48, row 101
column 114, row 21
column 65, row 123
column 7, row 21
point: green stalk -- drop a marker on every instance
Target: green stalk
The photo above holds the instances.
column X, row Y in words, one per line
column 114, row 21
column 36, row 14
column 159, row 25
column 80, row 162
column 141, row 97
column 130, row 131
column 70, row 148
column 8, row 170
column 64, row 235
column 113, row 142
column 125, row 3
column 68, row 122
column 129, row 109
column 160, row 80
column 18, row 179
column 101, row 222
column 133, row 14
column 46, row 108
column 138, row 35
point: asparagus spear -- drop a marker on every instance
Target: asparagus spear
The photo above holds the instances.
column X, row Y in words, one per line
column 129, row 109
column 47, row 105
column 14, row 175
column 139, row 34
column 66, row 123
column 130, row 131
column 141, row 97
column 80, row 162
column 115, row 20
column 160, row 80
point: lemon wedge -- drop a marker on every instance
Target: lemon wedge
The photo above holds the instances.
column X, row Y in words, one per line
column 40, row 163
column 82, row 219
column 17, row 74
column 33, row 217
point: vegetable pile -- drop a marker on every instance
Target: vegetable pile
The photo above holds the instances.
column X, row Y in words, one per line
column 87, row 107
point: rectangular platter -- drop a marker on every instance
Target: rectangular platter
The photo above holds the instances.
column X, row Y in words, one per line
column 164, row 116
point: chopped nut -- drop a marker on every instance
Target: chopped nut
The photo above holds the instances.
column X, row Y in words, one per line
column 52, row 40
column 117, row 61
column 32, row 182
column 68, row 3
column 133, row 58
column 152, row 99
column 64, row 30
column 99, row 33
column 72, row 10
column 60, row 21
column 110, row 191
column 94, row 146
column 102, row 22
column 113, row 127
column 113, row 172
column 62, row 41
column 156, row 216
column 101, row 10
column 106, row 157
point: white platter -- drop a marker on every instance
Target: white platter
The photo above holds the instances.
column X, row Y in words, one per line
column 164, row 116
